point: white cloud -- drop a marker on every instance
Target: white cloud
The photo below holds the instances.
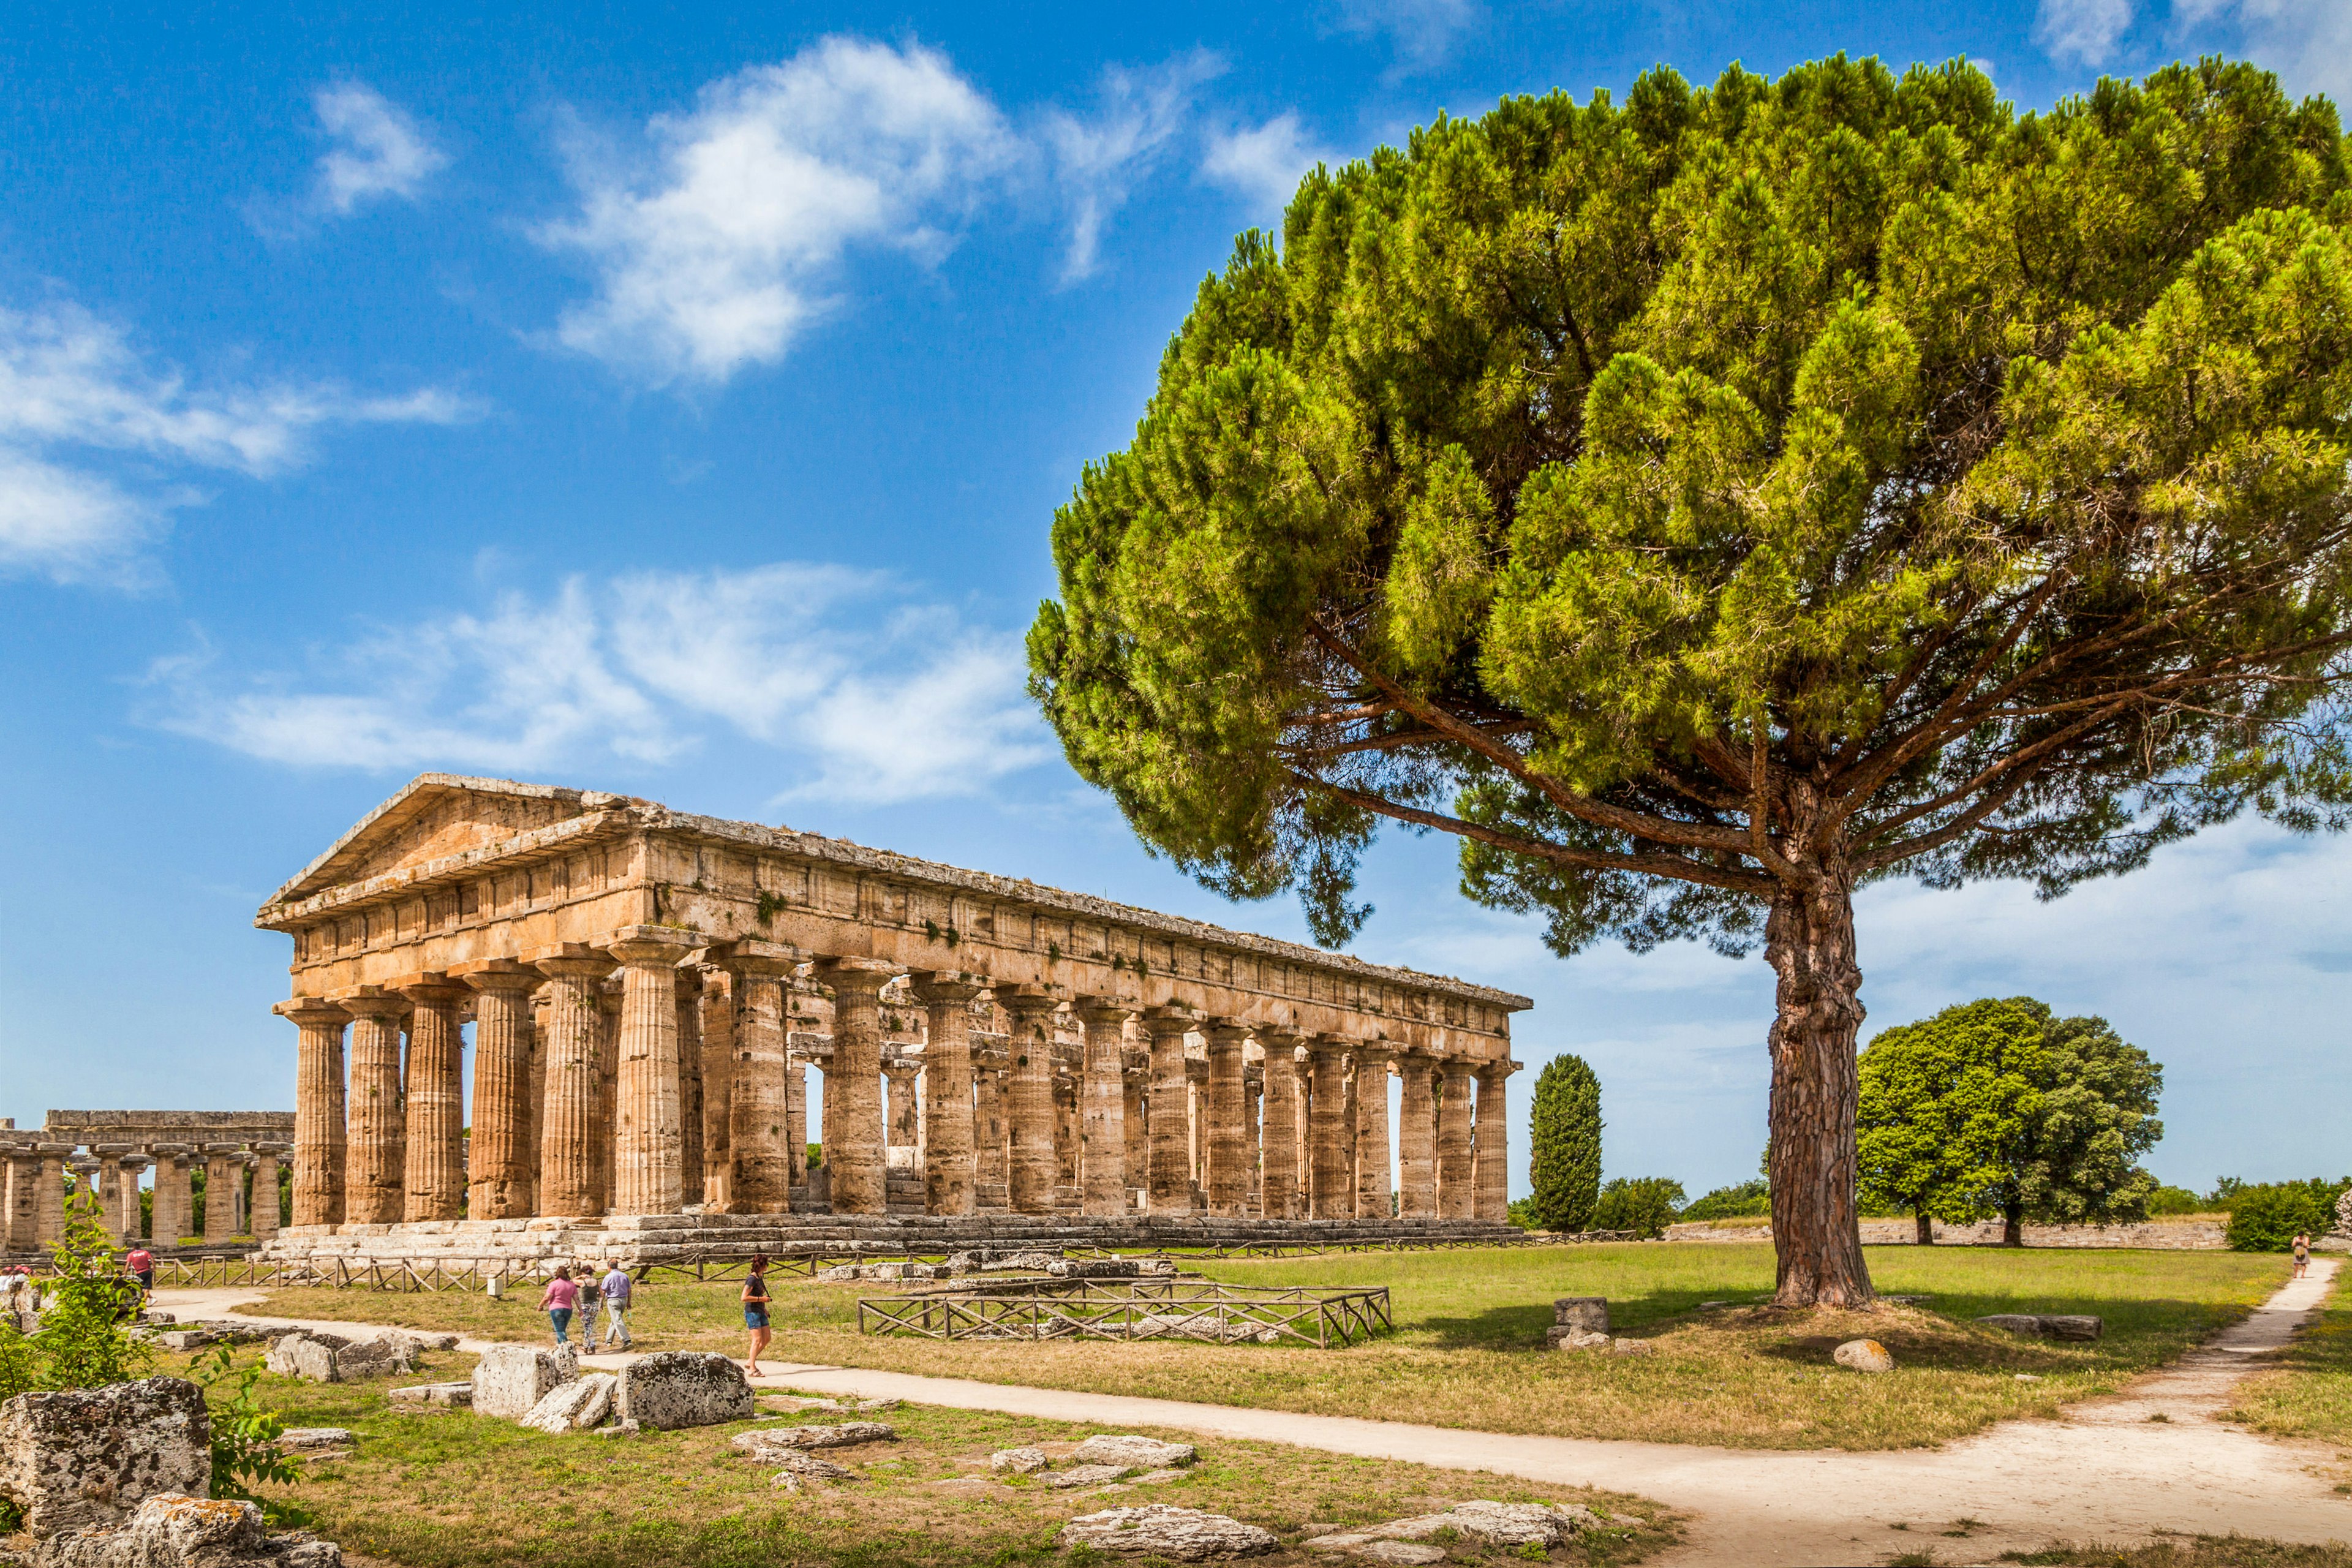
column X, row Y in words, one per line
column 1263, row 164
column 377, row 149
column 872, row 696
column 2081, row 30
column 723, row 251
column 1423, row 31
column 1098, row 159
column 2307, row 42
column 72, row 384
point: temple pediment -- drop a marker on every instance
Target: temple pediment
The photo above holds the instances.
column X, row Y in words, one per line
column 436, row 816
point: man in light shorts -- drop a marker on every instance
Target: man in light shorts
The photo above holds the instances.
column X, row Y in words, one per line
column 615, row 1288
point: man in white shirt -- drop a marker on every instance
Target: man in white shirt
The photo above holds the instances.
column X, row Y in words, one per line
column 615, row 1288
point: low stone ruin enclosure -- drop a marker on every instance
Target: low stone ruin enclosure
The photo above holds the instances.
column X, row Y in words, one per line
column 1050, row 1308
column 649, row 990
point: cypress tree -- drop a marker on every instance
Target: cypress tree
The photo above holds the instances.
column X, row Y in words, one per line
column 1565, row 1168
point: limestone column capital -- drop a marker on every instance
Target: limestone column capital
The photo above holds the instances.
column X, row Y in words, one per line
column 573, row 961
column 134, row 1162
column 497, row 975
column 372, row 1001
column 223, row 1149
column 431, row 988
column 1098, row 1010
column 1028, row 1001
column 1224, row 1031
column 112, row 1148
column 310, row 1011
column 865, row 976
column 1169, row 1018
column 643, row 946
column 931, row 986
column 168, row 1150
column 1497, row 1070
column 48, row 1151
column 753, row 956
column 270, row 1148
column 1373, row 1054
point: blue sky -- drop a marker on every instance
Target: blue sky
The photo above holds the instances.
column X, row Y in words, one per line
column 675, row 400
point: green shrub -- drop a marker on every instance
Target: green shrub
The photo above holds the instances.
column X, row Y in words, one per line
column 85, row 1340
column 2175, row 1200
column 1645, row 1205
column 2264, row 1216
column 1748, row 1198
column 245, row 1436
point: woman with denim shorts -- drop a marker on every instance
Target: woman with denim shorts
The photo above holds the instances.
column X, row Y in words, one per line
column 561, row 1295
column 755, row 1311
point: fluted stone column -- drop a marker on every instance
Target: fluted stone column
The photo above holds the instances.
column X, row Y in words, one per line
column 1491, row 1143
column 49, row 1193
column 499, row 1156
column 222, row 1171
column 127, row 1222
column 319, row 1154
column 905, row 1127
column 761, row 1150
column 21, row 1168
column 84, row 1202
column 1417, row 1136
column 950, row 1165
column 610, row 994
column 1331, row 1191
column 860, row 1181
column 687, row 981
column 1102, row 1110
column 1455, row 1197
column 1227, row 1184
column 1253, row 1158
column 376, row 1156
column 1135, row 1080
column 1033, row 1167
column 541, row 1010
column 107, row 1189
column 1279, row 1185
column 435, row 1181
column 1067, row 1071
column 1374, row 1184
column 262, row 1219
column 174, row 1208
column 991, row 1128
column 1170, row 1111
column 648, row 1122
column 573, row 1045
column 715, row 1026
column 796, row 1089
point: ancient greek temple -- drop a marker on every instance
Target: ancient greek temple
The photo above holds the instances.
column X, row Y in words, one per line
column 649, row 992
column 106, row 1153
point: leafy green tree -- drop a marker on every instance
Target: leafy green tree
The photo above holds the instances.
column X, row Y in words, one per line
column 1708, row 505
column 1745, row 1201
column 84, row 1339
column 1940, row 1102
column 2079, row 1160
column 1643, row 1205
column 1564, row 1138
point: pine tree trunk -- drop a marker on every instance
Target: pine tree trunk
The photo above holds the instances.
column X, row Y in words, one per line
column 1927, row 1236
column 1816, row 1228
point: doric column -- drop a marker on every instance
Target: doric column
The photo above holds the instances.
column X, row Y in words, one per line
column 1033, row 1168
column 174, row 1207
column 1067, row 1072
column 1171, row 1114
column 319, row 1141
column 1253, row 1159
column 20, row 1170
column 1196, row 1129
column 241, row 1186
column 904, row 1127
column 1279, row 1188
column 950, row 1166
column 797, row 1127
column 1102, row 1107
column 541, row 1011
column 1417, row 1136
column 1374, row 1184
column 498, row 1157
column 49, row 1193
column 127, row 1222
column 760, row 1149
column 1491, row 1145
column 375, row 1167
column 715, row 1028
column 992, row 1130
column 107, row 1189
column 435, row 1181
column 648, row 1120
column 858, row 1168
column 611, row 992
column 223, row 1172
column 1331, row 1191
column 263, row 1219
column 1455, row 1199
column 84, row 1204
column 573, row 1045
column 1135, row 1081
column 1227, row 1186
column 687, row 981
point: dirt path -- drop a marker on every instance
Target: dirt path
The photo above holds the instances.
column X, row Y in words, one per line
column 2105, row 1471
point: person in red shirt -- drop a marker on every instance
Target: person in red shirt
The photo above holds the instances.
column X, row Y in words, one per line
column 141, row 1264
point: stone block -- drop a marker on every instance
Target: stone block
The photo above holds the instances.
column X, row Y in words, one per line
column 89, row 1457
column 453, row 1396
column 1090, row 1476
column 768, row 1442
column 1158, row 1529
column 671, row 1389
column 1585, row 1314
column 1019, row 1461
column 1138, row 1453
column 1514, row 1525
column 2079, row 1327
column 1864, row 1355
column 315, row 1438
column 181, row 1532
column 573, row 1407
column 510, row 1380
column 1561, row 1338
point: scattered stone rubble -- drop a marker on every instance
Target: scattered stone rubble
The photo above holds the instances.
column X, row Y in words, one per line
column 673, row 1389
column 1581, row 1323
column 1504, row 1524
column 316, row 1355
column 1078, row 1476
column 1158, row 1529
column 2080, row 1326
column 312, row 1439
column 510, row 1380
column 1138, row 1453
column 1864, row 1355
column 179, row 1531
column 1019, row 1461
column 449, row 1395
column 573, row 1407
column 766, row 1443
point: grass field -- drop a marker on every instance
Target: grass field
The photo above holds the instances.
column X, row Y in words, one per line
column 448, row 1489
column 2308, row 1393
column 1468, row 1347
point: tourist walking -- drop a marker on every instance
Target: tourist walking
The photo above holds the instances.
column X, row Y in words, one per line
column 589, row 1298
column 755, row 1310
column 141, row 1264
column 2301, row 1255
column 562, row 1295
column 616, row 1291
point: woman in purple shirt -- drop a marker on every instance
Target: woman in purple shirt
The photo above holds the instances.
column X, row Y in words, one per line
column 561, row 1295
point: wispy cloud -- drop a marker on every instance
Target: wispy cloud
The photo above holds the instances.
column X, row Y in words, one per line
column 868, row 693
column 2082, row 31
column 1099, row 157
column 376, row 148
column 2307, row 42
column 1262, row 165
column 1423, row 32
column 72, row 388
column 722, row 251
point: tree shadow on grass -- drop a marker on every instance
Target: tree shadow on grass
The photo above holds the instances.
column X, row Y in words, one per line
column 1521, row 1327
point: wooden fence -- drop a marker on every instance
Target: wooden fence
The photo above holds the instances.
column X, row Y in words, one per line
column 1327, row 1317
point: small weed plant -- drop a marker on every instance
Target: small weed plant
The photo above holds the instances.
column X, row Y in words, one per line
column 84, row 1339
column 245, row 1435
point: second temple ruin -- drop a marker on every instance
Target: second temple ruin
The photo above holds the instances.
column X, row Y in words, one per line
column 648, row 991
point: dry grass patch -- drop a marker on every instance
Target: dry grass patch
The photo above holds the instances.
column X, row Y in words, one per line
column 2307, row 1390
column 1468, row 1347
column 2192, row 1552
column 449, row 1490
